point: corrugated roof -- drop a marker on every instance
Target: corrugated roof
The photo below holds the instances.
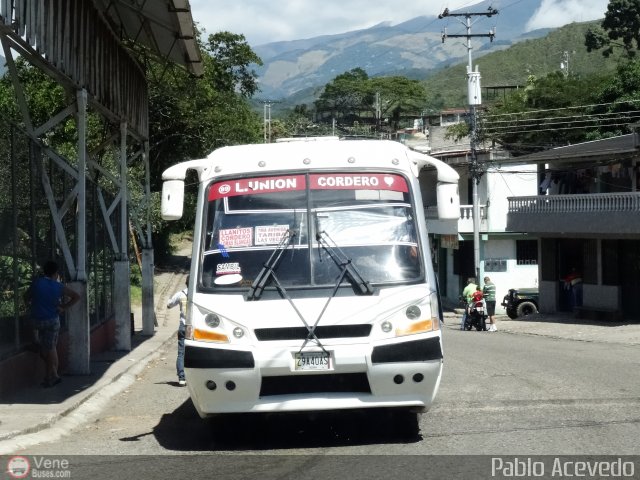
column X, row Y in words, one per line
column 606, row 149
column 164, row 26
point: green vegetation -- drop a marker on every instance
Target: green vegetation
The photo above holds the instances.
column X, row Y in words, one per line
column 620, row 29
column 539, row 57
column 558, row 109
column 527, row 76
column 537, row 94
column 214, row 113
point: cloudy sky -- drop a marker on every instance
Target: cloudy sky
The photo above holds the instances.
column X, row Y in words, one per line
column 264, row 21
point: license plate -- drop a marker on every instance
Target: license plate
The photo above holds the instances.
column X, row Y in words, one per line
column 312, row 361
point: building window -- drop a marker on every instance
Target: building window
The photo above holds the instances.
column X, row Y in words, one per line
column 526, row 252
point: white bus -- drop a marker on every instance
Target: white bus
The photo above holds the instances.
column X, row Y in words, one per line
column 311, row 284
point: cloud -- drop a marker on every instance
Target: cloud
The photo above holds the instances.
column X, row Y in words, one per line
column 267, row 21
column 262, row 21
column 556, row 13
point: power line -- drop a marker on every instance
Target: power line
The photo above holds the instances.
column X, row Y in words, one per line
column 573, row 107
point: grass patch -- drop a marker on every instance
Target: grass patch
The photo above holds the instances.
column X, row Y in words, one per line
column 136, row 295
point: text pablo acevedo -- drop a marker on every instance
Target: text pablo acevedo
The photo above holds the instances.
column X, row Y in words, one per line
column 561, row 467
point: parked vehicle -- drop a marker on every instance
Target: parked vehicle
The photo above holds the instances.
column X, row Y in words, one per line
column 521, row 302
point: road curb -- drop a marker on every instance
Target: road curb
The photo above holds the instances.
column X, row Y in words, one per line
column 92, row 400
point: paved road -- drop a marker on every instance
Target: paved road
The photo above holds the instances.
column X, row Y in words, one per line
column 501, row 394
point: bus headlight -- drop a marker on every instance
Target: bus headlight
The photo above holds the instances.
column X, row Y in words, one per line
column 212, row 320
column 211, row 331
column 413, row 312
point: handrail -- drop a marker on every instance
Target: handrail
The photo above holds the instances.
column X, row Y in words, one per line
column 466, row 212
column 579, row 203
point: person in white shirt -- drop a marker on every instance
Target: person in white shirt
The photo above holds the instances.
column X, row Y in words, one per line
column 180, row 298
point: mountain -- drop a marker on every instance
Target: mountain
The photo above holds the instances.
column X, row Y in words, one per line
column 413, row 48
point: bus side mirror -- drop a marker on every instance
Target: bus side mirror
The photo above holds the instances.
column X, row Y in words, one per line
column 448, row 201
column 172, row 199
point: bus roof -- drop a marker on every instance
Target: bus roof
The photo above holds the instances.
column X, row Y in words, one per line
column 305, row 154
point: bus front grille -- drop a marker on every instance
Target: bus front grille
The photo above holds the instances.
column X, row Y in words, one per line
column 322, row 332
column 309, row 384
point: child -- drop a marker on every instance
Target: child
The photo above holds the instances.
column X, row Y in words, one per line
column 477, row 295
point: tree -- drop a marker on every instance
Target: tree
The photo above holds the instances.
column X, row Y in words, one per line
column 215, row 113
column 548, row 112
column 617, row 101
column 233, row 57
column 353, row 94
column 620, row 28
column 346, row 95
column 399, row 95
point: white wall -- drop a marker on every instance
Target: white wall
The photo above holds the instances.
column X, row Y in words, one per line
column 516, row 276
column 505, row 181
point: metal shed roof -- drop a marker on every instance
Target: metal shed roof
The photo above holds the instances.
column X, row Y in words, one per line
column 164, row 26
column 597, row 150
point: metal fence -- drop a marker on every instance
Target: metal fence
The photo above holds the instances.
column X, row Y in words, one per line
column 28, row 236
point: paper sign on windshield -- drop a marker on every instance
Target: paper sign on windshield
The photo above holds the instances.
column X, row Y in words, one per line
column 236, row 237
column 270, row 234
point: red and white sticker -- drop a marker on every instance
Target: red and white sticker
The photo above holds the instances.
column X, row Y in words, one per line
column 358, row 181
column 252, row 186
column 236, row 237
column 270, row 234
column 227, row 268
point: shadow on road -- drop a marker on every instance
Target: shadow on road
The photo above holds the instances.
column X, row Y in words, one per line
column 273, row 431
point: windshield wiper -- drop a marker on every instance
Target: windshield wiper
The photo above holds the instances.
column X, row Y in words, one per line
column 348, row 270
column 268, row 272
column 344, row 262
column 268, row 269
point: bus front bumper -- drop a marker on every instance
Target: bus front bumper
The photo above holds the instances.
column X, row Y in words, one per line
column 400, row 374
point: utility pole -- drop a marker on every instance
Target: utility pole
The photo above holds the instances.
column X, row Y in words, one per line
column 267, row 119
column 378, row 112
column 474, row 96
column 564, row 65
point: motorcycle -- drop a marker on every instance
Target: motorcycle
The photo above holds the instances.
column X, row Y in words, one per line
column 476, row 316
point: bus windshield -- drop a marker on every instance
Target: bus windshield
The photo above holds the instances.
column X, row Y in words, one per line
column 315, row 223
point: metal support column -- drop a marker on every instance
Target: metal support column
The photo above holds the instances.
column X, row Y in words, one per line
column 148, row 311
column 78, row 322
column 122, row 288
